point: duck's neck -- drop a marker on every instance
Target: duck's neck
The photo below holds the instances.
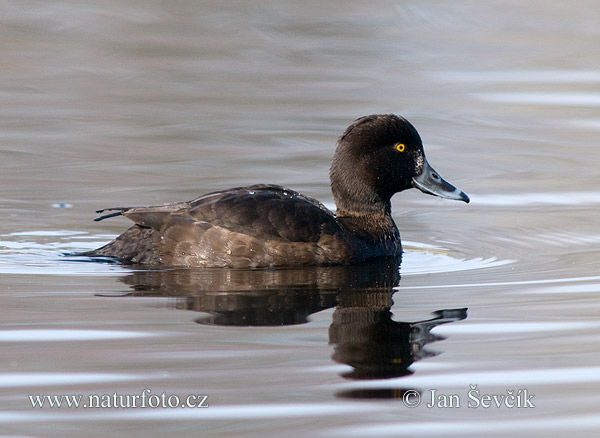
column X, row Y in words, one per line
column 373, row 223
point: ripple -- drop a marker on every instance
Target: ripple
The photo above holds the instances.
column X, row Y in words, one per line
column 66, row 335
column 537, row 198
column 542, row 98
column 26, row 253
column 500, row 377
column 543, row 426
column 14, row 380
column 521, row 76
column 47, row 233
column 517, row 327
column 41, row 252
column 232, row 412
column 419, row 259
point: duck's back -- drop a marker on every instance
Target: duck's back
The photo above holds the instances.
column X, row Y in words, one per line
column 261, row 225
column 266, row 212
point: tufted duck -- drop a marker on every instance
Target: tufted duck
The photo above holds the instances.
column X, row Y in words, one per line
column 268, row 225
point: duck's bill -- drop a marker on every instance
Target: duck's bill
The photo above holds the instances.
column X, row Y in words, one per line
column 429, row 181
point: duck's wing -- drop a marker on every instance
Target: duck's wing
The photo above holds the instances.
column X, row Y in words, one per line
column 266, row 212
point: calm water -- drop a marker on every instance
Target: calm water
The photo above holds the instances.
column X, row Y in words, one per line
column 133, row 103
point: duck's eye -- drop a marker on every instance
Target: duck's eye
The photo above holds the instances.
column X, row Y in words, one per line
column 400, row 147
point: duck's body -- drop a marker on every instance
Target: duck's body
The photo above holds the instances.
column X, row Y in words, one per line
column 261, row 225
column 268, row 225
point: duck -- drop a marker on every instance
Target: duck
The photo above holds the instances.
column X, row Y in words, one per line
column 268, row 226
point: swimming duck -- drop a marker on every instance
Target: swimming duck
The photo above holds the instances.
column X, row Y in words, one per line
column 269, row 225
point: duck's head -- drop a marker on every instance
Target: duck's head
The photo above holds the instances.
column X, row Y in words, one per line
column 378, row 156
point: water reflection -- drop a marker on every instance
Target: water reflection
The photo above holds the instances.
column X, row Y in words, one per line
column 362, row 332
column 264, row 297
column 375, row 346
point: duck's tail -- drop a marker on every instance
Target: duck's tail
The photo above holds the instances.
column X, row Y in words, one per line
column 133, row 246
column 116, row 211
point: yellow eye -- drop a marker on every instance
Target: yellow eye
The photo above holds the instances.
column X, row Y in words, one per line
column 400, row 147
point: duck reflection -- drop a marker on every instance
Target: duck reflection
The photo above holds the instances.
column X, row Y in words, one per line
column 376, row 347
column 363, row 333
column 263, row 297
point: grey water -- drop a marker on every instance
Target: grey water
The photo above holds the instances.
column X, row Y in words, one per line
column 489, row 326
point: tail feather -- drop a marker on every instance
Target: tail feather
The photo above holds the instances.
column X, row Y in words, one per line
column 116, row 211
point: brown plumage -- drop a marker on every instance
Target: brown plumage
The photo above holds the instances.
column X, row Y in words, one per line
column 268, row 225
